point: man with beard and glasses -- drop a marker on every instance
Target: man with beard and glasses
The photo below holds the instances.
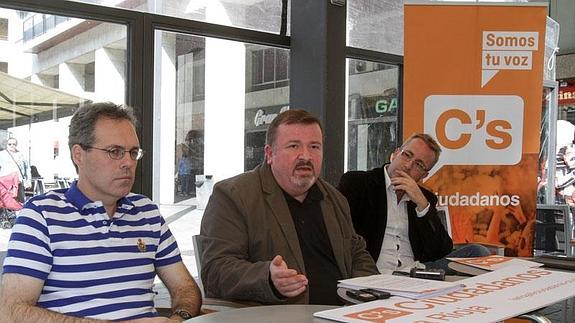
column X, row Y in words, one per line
column 279, row 233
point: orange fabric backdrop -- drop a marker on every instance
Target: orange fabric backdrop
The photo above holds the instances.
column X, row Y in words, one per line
column 491, row 194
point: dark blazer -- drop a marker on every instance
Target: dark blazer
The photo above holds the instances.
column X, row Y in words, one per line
column 247, row 223
column 365, row 191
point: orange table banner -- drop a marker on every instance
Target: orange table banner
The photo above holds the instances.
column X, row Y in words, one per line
column 491, row 297
column 473, row 80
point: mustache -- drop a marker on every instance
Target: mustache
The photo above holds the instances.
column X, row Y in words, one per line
column 304, row 163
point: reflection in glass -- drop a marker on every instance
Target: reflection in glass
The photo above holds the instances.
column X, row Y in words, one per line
column 372, row 114
column 214, row 100
column 49, row 65
column 543, row 165
column 375, row 25
column 262, row 15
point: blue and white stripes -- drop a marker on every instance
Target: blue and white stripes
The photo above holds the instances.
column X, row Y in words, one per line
column 92, row 266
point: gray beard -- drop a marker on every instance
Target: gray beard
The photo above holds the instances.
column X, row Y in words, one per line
column 303, row 182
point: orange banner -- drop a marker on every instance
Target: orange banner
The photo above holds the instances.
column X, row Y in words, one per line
column 473, row 80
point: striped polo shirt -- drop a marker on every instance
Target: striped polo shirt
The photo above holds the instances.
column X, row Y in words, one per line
column 91, row 265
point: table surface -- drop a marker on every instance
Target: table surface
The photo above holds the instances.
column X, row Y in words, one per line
column 267, row 313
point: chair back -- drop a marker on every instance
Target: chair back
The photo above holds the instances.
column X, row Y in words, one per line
column 443, row 213
column 197, row 255
column 554, row 230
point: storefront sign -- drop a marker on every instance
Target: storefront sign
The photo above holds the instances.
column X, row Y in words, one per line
column 386, row 105
column 473, row 80
column 260, row 118
column 567, row 95
column 374, row 106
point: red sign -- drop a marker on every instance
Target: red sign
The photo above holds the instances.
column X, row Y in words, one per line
column 567, row 95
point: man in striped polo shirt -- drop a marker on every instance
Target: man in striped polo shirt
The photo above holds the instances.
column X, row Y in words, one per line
column 91, row 252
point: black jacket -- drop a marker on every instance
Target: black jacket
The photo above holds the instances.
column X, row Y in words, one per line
column 365, row 191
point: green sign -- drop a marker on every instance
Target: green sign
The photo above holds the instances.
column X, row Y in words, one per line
column 386, row 105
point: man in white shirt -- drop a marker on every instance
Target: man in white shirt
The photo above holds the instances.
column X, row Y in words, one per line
column 397, row 217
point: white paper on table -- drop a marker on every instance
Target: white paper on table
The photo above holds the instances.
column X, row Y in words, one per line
column 401, row 285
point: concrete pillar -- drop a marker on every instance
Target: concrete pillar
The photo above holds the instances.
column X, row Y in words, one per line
column 164, row 118
column 317, row 74
column 224, row 108
column 71, row 78
column 110, row 75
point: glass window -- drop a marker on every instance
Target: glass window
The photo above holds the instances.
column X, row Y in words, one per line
column 210, row 122
column 564, row 140
column 544, row 192
column 60, row 19
column 282, row 65
column 28, row 26
column 3, row 29
column 49, row 22
column 38, row 24
column 85, row 64
column 257, row 67
column 375, row 25
column 378, row 24
column 262, row 15
column 269, row 65
column 269, row 68
column 372, row 113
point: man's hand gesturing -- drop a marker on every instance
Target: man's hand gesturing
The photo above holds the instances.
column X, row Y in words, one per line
column 286, row 281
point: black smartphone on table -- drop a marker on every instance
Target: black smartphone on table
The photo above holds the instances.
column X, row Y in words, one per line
column 379, row 294
column 433, row 274
column 360, row 296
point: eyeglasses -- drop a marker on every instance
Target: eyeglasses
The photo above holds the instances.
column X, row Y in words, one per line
column 118, row 153
column 408, row 156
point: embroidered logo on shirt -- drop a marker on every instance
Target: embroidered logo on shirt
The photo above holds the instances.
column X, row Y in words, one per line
column 141, row 245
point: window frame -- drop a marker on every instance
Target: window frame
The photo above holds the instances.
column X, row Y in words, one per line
column 141, row 27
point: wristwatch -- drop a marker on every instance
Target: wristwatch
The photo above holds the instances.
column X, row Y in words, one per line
column 183, row 314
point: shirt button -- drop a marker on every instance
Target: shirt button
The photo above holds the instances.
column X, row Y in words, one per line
column 105, row 222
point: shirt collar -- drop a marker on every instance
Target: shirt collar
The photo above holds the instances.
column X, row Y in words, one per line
column 313, row 194
column 387, row 178
column 81, row 201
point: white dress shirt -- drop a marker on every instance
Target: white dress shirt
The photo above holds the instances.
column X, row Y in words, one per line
column 396, row 253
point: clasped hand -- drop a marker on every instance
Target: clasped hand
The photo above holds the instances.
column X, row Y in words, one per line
column 405, row 183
